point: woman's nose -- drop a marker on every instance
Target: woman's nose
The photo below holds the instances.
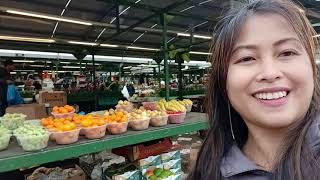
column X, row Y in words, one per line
column 269, row 71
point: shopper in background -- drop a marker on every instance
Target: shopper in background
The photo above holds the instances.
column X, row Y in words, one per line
column 263, row 97
column 5, row 70
column 131, row 89
column 13, row 95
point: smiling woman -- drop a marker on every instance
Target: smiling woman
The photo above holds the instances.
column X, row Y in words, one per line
column 263, row 97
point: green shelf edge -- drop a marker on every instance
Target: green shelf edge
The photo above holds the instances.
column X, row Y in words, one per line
column 76, row 150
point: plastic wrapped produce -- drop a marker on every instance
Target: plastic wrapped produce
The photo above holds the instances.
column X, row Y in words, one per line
column 140, row 124
column 5, row 136
column 177, row 118
column 159, row 120
column 31, row 137
column 117, row 128
column 66, row 137
column 94, row 132
column 150, row 105
column 12, row 121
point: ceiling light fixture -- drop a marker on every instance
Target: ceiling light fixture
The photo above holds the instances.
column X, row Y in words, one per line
column 49, row 17
column 142, row 48
column 23, row 61
column 195, row 35
column 83, row 43
column 72, row 67
column 27, row 39
column 35, row 65
column 109, row 45
column 200, row 53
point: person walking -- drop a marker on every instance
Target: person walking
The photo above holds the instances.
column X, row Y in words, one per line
column 5, row 70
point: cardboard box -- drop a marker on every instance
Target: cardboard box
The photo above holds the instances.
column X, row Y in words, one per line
column 33, row 111
column 54, row 98
column 141, row 151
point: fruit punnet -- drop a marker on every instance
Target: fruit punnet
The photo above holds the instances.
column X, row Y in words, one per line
column 66, row 137
column 124, row 105
column 32, row 137
column 12, row 121
column 115, row 116
column 63, row 109
column 117, row 121
column 58, row 124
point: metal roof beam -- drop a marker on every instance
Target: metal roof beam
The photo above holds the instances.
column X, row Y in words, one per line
column 50, row 4
column 168, row 8
column 155, row 9
column 105, row 16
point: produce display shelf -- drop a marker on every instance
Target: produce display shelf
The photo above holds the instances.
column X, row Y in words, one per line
column 15, row 158
column 195, row 96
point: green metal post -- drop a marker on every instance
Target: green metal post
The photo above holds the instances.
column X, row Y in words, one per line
column 94, row 82
column 166, row 55
column 93, row 71
column 159, row 75
column 180, row 87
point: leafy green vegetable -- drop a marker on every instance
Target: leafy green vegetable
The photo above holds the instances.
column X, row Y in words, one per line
column 12, row 121
column 32, row 137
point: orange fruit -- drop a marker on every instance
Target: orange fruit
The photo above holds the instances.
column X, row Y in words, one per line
column 50, row 127
column 44, row 122
column 66, row 122
column 73, row 126
column 86, row 123
column 66, row 127
column 69, row 108
column 69, row 118
column 64, row 111
column 50, row 122
column 100, row 122
column 55, row 108
column 58, row 124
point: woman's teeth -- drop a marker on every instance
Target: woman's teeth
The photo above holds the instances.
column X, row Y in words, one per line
column 273, row 95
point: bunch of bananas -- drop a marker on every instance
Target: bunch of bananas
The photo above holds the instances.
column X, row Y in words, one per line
column 172, row 106
column 186, row 102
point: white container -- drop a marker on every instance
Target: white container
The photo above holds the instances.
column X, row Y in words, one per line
column 33, row 143
column 139, row 125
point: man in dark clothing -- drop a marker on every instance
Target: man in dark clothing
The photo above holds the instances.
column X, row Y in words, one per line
column 4, row 76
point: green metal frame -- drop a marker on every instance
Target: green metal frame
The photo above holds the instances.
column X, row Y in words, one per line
column 155, row 14
column 155, row 9
column 166, row 54
column 15, row 158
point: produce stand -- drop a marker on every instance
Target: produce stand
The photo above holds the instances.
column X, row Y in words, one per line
column 15, row 158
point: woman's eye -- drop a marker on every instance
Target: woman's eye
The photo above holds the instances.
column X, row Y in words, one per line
column 246, row 60
column 288, row 53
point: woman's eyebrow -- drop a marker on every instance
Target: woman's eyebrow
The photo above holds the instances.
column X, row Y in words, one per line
column 250, row 47
column 277, row 43
column 285, row 40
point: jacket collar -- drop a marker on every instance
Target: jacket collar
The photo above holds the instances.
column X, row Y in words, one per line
column 235, row 162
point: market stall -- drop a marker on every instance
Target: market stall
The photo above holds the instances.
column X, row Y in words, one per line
column 15, row 158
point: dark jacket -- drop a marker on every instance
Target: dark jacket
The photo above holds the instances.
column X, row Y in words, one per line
column 4, row 76
column 236, row 166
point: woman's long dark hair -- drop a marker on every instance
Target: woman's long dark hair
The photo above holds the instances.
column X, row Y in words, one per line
column 296, row 161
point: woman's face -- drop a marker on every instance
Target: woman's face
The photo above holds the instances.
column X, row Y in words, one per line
column 270, row 76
